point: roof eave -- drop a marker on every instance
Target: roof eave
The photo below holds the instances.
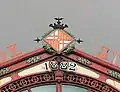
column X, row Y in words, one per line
column 97, row 60
column 19, row 58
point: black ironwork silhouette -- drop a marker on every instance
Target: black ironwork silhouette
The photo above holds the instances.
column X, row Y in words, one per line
column 37, row 40
column 58, row 25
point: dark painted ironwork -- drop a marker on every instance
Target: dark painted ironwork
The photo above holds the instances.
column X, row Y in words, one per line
column 58, row 25
column 87, row 82
column 29, row 81
column 33, row 59
column 3, row 71
column 79, row 40
column 37, row 40
column 84, row 61
column 114, row 73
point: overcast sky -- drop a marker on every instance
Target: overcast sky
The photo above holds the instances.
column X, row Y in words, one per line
column 96, row 22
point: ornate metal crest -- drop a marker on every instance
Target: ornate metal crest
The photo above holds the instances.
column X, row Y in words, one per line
column 58, row 39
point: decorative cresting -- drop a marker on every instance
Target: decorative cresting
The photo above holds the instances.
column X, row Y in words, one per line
column 72, row 78
column 114, row 74
column 3, row 71
column 58, row 39
column 58, row 25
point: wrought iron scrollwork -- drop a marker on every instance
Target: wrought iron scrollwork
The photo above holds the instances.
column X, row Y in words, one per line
column 28, row 81
column 114, row 73
column 58, row 25
column 33, row 59
column 4, row 71
column 87, row 82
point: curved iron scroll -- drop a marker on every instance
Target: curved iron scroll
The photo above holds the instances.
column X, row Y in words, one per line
column 32, row 80
column 93, row 85
column 90, row 83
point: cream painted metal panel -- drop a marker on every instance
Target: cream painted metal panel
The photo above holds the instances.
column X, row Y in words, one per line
column 36, row 69
column 86, row 71
column 5, row 80
column 113, row 83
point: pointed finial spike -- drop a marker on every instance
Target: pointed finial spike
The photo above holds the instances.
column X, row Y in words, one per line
column 37, row 40
column 79, row 40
